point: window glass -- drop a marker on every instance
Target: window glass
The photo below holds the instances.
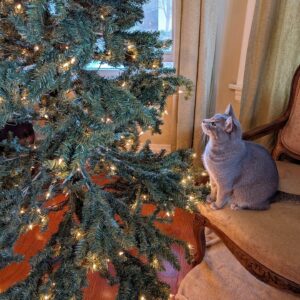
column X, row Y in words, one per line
column 157, row 17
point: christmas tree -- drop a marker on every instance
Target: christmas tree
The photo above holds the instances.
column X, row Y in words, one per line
column 64, row 126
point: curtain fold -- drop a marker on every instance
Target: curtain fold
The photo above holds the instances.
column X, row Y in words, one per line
column 199, row 32
column 272, row 57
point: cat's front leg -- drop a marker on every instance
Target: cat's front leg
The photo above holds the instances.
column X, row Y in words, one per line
column 213, row 191
column 223, row 196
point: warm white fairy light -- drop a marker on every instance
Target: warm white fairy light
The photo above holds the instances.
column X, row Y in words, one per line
column 130, row 46
column 73, row 60
column 18, row 8
column 102, row 17
column 121, row 253
column 142, row 297
column 113, row 168
column 183, row 181
column 45, row 297
column 95, row 267
column 194, row 155
column 22, row 211
column 48, row 195
column 38, row 210
column 53, row 284
column 204, row 173
column 123, row 84
column 46, row 116
column 133, row 56
column 36, row 48
column 190, row 246
column 60, row 161
column 30, row 226
column 168, row 214
column 141, row 133
column 66, row 65
column 180, row 92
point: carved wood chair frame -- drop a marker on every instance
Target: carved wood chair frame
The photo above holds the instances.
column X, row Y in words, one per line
column 256, row 268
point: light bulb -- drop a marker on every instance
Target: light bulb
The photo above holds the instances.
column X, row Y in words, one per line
column 22, row 211
column 123, row 84
column 18, row 8
column 30, row 226
column 36, row 48
column 73, row 59
column 60, row 161
column 48, row 195
column 121, row 253
column 102, row 17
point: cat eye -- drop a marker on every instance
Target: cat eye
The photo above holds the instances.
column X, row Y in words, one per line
column 213, row 124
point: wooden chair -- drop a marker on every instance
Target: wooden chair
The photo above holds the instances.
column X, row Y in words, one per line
column 266, row 243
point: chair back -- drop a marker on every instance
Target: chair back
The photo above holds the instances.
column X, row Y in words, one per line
column 289, row 136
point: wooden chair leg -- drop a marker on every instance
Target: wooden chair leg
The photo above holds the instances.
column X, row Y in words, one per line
column 199, row 233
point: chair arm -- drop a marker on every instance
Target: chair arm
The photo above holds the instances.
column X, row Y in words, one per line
column 263, row 130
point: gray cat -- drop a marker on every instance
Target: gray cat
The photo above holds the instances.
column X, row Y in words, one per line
column 241, row 172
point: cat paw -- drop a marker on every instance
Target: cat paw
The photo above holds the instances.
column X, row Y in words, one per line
column 234, row 206
column 214, row 206
column 209, row 199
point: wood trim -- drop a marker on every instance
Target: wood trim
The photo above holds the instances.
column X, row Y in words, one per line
column 199, row 233
column 256, row 268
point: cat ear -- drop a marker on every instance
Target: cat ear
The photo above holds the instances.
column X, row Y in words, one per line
column 229, row 111
column 229, row 125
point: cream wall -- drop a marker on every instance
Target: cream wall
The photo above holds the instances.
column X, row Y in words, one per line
column 229, row 43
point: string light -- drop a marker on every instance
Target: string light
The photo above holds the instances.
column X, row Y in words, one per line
column 18, row 8
column 142, row 297
column 45, row 297
column 123, row 84
column 48, row 195
column 60, row 161
column 102, row 17
column 30, row 226
column 95, row 267
column 168, row 214
column 141, row 133
column 79, row 234
column 22, row 211
column 180, row 92
column 36, row 48
column 73, row 60
column 38, row 210
column 121, row 253
column 130, row 46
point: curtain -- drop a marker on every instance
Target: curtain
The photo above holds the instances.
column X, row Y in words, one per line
column 272, row 57
column 199, row 27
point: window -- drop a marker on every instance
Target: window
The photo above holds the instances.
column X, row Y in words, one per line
column 157, row 17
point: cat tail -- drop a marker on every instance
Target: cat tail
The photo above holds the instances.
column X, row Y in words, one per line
column 282, row 196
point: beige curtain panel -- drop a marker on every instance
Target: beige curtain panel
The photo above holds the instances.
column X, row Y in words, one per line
column 272, row 58
column 198, row 32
